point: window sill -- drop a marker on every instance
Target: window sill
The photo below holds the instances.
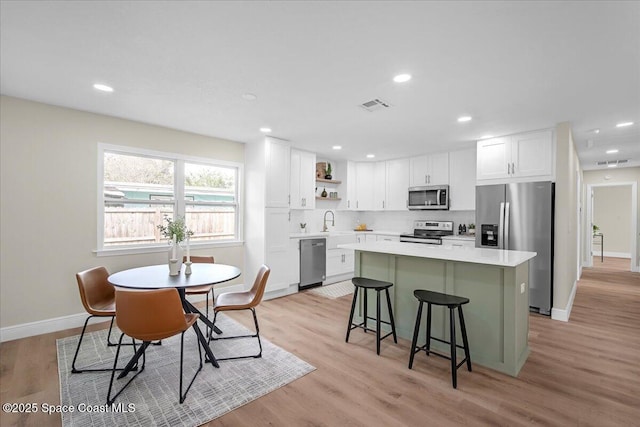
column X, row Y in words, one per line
column 163, row 248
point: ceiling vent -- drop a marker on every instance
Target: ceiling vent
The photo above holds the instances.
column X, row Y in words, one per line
column 612, row 162
column 374, row 105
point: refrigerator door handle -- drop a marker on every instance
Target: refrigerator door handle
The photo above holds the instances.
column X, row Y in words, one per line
column 501, row 227
column 506, row 225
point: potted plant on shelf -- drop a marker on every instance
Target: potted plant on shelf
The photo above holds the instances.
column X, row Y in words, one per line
column 472, row 229
column 327, row 172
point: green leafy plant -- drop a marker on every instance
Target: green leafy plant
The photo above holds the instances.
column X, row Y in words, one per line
column 175, row 227
column 472, row 226
column 327, row 171
column 595, row 229
column 303, row 225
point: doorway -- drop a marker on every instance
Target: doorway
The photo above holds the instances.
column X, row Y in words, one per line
column 611, row 227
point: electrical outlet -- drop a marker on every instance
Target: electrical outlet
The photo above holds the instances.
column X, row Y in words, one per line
column 522, row 287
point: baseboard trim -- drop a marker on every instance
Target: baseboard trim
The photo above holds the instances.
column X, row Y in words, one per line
column 56, row 324
column 617, row 254
column 40, row 327
column 563, row 314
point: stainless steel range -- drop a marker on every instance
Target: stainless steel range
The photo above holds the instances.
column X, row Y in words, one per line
column 429, row 232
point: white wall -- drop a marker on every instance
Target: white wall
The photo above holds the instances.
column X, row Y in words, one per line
column 612, row 213
column 48, row 204
column 566, row 253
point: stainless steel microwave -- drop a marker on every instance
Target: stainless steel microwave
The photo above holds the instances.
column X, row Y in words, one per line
column 429, row 197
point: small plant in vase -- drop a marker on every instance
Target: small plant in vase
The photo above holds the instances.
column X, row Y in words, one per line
column 327, row 172
column 303, row 227
column 472, row 229
column 175, row 231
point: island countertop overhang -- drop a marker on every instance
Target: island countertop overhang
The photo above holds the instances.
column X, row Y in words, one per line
column 497, row 257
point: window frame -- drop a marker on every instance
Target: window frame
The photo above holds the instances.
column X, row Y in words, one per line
column 179, row 204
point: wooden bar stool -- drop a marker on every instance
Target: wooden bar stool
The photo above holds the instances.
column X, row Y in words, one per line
column 452, row 302
column 377, row 285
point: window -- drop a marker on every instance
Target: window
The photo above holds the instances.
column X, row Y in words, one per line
column 140, row 188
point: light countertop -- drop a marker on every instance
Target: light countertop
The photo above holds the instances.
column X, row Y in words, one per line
column 313, row 235
column 465, row 237
column 497, row 257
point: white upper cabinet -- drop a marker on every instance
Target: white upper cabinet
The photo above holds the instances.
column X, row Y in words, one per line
column 364, row 186
column 277, row 163
column 494, row 158
column 462, row 180
column 397, row 184
column 379, row 186
column 516, row 158
column 432, row 169
column 531, row 154
column 302, row 187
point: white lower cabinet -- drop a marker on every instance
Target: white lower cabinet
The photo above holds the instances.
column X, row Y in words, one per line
column 294, row 261
column 365, row 238
column 339, row 261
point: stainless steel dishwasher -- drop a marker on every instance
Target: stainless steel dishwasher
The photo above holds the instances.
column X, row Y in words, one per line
column 313, row 262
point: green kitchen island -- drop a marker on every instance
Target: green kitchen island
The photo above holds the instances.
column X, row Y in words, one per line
column 495, row 281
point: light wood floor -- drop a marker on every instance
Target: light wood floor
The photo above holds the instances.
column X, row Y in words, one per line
column 585, row 372
column 612, row 264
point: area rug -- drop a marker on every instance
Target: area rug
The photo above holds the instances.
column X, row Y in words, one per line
column 335, row 290
column 152, row 398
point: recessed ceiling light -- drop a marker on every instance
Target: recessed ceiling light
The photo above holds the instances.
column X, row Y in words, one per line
column 249, row 96
column 103, row 88
column 486, row 136
column 265, row 130
column 613, row 165
column 464, row 119
column 612, row 151
column 337, row 147
column 370, row 156
column 401, row 78
column 621, row 125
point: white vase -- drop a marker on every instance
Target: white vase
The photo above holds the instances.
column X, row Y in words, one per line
column 179, row 254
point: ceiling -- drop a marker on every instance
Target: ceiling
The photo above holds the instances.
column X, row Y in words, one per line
column 512, row 66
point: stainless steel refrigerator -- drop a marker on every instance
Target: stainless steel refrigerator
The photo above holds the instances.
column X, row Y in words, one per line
column 520, row 217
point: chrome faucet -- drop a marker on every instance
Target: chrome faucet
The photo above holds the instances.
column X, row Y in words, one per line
column 324, row 220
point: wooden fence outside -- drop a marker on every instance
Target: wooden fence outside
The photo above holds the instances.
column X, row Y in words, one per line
column 140, row 225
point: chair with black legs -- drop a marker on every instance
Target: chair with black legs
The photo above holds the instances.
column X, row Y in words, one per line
column 201, row 290
column 149, row 316
column 247, row 300
column 98, row 298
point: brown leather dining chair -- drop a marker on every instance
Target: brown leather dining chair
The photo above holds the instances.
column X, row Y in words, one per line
column 98, row 298
column 201, row 290
column 149, row 316
column 247, row 300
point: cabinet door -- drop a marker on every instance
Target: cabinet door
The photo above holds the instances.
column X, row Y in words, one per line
column 531, row 154
column 276, row 228
column 397, row 184
column 295, row 187
column 294, row 261
column 438, row 169
column 364, row 186
column 380, row 186
column 349, row 201
column 494, row 156
column 462, row 180
column 308, row 180
column 277, row 174
column 418, row 170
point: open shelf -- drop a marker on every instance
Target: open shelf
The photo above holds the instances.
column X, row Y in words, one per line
column 328, row 181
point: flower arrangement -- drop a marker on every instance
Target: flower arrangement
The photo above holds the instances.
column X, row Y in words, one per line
column 175, row 227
